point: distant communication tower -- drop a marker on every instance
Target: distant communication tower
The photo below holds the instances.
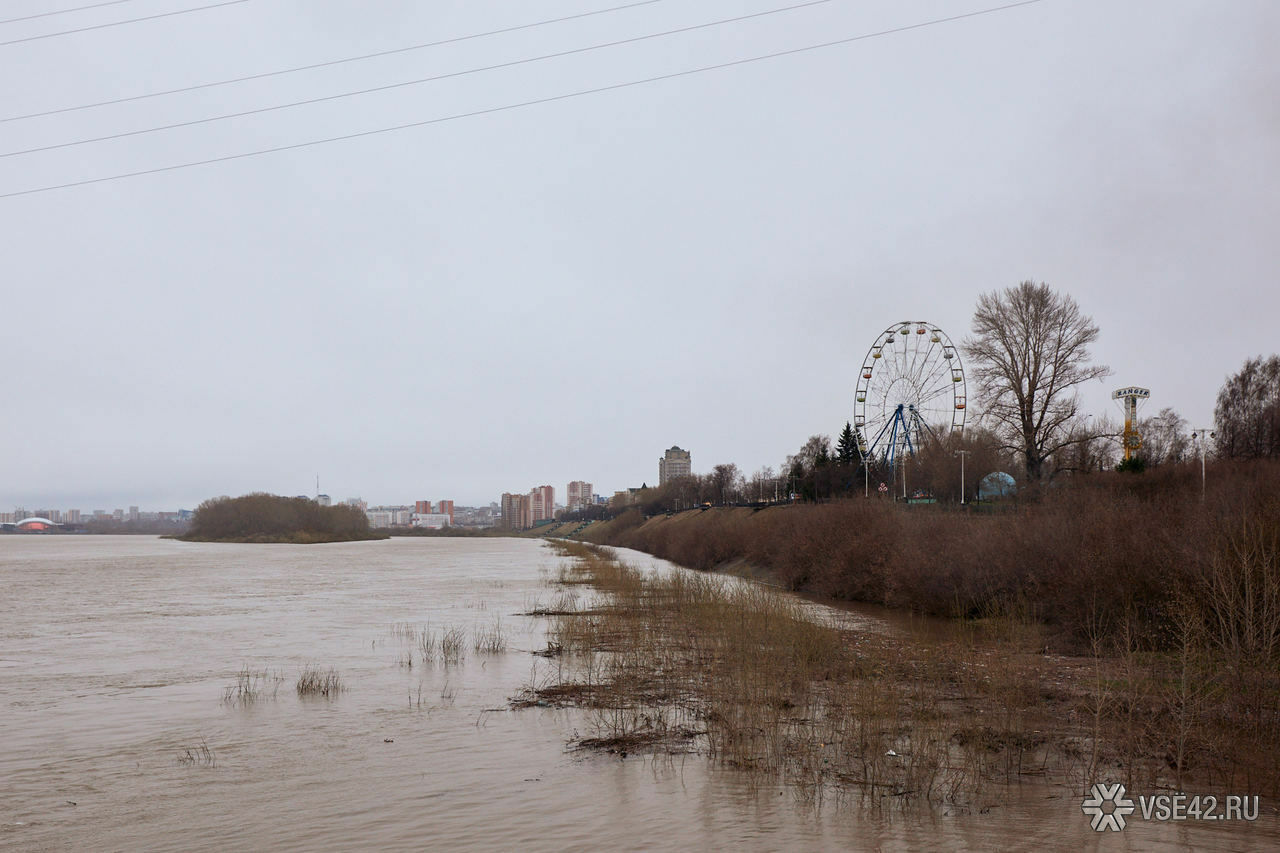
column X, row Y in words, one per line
column 1131, row 396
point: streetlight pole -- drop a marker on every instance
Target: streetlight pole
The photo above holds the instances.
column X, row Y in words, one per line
column 1198, row 437
column 962, row 454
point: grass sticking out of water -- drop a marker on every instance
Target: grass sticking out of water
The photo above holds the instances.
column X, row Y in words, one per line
column 452, row 642
column 252, row 685
column 198, row 756
column 491, row 640
column 324, row 683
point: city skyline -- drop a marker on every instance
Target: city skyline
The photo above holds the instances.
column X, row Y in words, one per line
column 703, row 259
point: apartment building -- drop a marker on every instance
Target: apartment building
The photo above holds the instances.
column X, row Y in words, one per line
column 674, row 463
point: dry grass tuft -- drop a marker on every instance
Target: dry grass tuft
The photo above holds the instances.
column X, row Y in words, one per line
column 491, row 640
column 198, row 756
column 452, row 644
column 314, row 681
column 252, row 685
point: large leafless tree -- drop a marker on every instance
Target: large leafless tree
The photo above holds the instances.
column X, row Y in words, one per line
column 1247, row 416
column 1028, row 352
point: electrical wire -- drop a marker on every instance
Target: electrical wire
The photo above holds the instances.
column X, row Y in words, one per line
column 332, row 62
column 122, row 23
column 322, row 99
column 65, row 11
column 523, row 104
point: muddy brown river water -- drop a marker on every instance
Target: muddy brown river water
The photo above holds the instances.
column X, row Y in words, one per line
column 116, row 654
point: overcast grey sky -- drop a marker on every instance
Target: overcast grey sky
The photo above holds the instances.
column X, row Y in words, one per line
column 562, row 291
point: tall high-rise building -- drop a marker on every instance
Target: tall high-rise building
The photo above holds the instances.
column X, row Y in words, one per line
column 133, row 513
column 579, row 495
column 542, row 504
column 445, row 508
column 515, row 512
column 674, row 463
column 422, row 507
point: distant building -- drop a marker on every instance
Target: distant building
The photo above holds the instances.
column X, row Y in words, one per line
column 432, row 520
column 445, row 508
column 542, row 504
column 72, row 516
column 357, row 503
column 579, row 495
column 133, row 513
column 324, row 500
column 515, row 512
column 674, row 463
column 378, row 517
column 627, row 497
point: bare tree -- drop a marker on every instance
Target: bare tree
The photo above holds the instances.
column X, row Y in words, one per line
column 763, row 485
column 1247, row 416
column 726, row 482
column 1028, row 352
column 1165, row 437
column 1093, row 445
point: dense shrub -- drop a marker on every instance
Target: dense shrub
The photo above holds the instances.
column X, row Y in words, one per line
column 1090, row 554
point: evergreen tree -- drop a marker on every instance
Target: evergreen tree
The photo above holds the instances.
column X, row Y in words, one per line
column 847, row 446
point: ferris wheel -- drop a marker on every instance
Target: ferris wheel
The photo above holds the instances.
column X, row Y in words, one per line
column 911, row 385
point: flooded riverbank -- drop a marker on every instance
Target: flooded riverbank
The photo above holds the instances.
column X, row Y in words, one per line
column 115, row 655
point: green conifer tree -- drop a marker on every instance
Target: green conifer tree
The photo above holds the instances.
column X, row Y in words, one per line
column 847, row 446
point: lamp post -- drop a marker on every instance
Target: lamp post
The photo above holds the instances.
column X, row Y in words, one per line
column 1198, row 437
column 962, row 454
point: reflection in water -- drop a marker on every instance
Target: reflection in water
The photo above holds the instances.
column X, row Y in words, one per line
column 116, row 654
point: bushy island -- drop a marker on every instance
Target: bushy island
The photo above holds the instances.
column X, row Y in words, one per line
column 264, row 518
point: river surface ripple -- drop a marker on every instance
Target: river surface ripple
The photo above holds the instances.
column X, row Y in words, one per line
column 115, row 653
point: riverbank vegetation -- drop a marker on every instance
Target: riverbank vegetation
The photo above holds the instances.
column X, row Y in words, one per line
column 263, row 518
column 753, row 679
column 1175, row 591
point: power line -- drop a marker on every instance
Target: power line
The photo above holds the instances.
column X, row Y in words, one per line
column 332, row 62
column 122, row 23
column 400, row 85
column 64, row 11
column 522, row 104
